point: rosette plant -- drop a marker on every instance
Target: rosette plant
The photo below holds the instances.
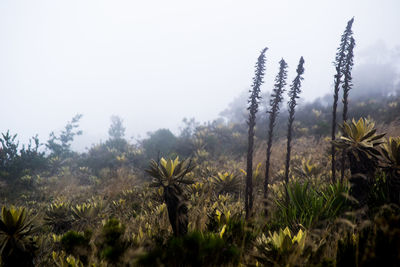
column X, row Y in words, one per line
column 226, row 183
column 391, row 166
column 280, row 248
column 17, row 246
column 362, row 145
column 170, row 175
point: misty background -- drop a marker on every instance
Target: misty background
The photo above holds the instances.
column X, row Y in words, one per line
column 155, row 62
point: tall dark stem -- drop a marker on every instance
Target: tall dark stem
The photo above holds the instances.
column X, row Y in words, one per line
column 276, row 99
column 340, row 57
column 347, row 84
column 293, row 94
column 253, row 108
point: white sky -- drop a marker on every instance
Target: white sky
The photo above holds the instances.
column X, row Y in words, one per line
column 155, row 62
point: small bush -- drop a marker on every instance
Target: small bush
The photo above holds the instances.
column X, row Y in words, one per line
column 308, row 206
column 193, row 249
column 377, row 243
column 111, row 245
column 77, row 244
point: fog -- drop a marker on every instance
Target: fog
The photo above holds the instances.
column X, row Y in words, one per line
column 155, row 62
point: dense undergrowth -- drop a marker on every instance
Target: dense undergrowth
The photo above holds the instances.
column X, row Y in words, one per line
column 72, row 217
column 180, row 200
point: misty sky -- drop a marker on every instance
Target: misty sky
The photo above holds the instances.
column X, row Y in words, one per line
column 156, row 62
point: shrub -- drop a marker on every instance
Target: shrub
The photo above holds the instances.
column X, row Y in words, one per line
column 391, row 166
column 279, row 248
column 111, row 245
column 15, row 162
column 307, row 206
column 77, row 244
column 375, row 244
column 193, row 249
column 58, row 216
column 161, row 142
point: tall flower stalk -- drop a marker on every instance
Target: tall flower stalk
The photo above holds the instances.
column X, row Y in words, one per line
column 347, row 84
column 276, row 99
column 339, row 62
column 293, row 94
column 253, row 109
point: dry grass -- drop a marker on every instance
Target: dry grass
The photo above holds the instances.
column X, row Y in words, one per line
column 307, row 148
column 392, row 129
column 122, row 180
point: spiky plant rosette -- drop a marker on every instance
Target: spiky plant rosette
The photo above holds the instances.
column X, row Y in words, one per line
column 16, row 229
column 391, row 165
column 226, row 183
column 391, row 155
column 360, row 139
column 169, row 172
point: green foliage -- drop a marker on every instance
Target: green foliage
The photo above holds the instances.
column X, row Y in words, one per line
column 60, row 146
column 238, row 232
column 16, row 240
column 58, row 216
column 9, row 155
column 193, row 249
column 226, row 220
column 197, row 188
column 86, row 213
column 279, row 248
column 307, row 169
column 391, row 166
column 111, row 244
column 257, row 175
column 77, row 244
column 307, row 207
column 378, row 242
column 226, row 183
column 116, row 130
column 62, row 260
column 360, row 139
column 161, row 142
column 379, row 192
column 362, row 237
column 113, row 154
column 361, row 143
column 186, row 143
column 337, row 198
column 391, row 154
column 169, row 174
column 15, row 162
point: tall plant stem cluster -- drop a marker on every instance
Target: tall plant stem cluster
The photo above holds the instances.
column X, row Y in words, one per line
column 276, row 99
column 340, row 62
column 293, row 94
column 347, row 84
column 253, row 109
